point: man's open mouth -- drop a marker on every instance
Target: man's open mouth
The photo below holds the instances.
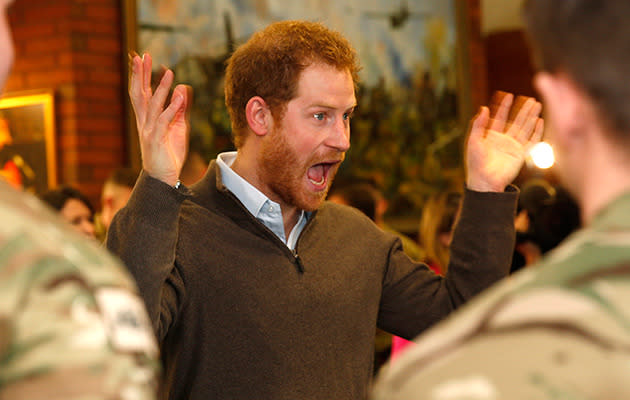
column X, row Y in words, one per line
column 318, row 173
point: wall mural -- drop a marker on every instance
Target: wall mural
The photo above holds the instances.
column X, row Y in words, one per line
column 405, row 134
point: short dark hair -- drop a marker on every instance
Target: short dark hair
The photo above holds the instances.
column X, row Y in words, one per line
column 270, row 62
column 57, row 198
column 590, row 41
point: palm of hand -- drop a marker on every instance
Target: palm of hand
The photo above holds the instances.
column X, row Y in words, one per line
column 496, row 156
column 497, row 147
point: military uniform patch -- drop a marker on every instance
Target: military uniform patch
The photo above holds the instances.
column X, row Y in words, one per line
column 126, row 321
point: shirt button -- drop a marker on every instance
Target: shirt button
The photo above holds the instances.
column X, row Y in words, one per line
column 270, row 208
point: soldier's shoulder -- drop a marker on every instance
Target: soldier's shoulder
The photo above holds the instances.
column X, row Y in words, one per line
column 68, row 307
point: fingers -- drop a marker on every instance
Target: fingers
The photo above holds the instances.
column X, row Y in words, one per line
column 135, row 80
column 139, row 89
column 177, row 106
column 538, row 131
column 479, row 123
column 526, row 120
column 156, row 103
column 147, row 63
column 182, row 114
column 501, row 103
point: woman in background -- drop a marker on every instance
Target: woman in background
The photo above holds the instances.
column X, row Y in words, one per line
column 73, row 206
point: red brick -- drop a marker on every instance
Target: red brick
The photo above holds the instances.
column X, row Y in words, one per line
column 102, row 12
column 98, row 93
column 108, row 77
column 102, row 125
column 14, row 83
column 107, row 142
column 96, row 157
column 95, row 60
column 50, row 79
column 54, row 44
column 91, row 26
column 102, row 45
column 51, row 10
column 27, row 64
column 29, row 32
column 101, row 109
column 65, row 59
column 102, row 172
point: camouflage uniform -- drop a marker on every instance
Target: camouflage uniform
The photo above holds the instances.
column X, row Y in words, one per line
column 559, row 330
column 71, row 323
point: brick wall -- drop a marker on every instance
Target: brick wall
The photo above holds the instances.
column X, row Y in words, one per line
column 74, row 47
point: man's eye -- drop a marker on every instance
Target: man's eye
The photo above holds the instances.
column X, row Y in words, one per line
column 347, row 116
column 319, row 116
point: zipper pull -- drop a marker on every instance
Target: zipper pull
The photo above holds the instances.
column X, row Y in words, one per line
column 298, row 261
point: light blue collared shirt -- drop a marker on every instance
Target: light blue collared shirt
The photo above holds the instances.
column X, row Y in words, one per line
column 260, row 206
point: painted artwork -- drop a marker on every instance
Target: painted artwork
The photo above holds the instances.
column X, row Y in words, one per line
column 405, row 134
column 27, row 140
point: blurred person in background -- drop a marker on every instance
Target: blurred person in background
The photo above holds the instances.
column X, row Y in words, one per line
column 114, row 195
column 73, row 206
column 545, row 216
column 436, row 228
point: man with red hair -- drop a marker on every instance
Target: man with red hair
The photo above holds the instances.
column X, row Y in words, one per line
column 257, row 287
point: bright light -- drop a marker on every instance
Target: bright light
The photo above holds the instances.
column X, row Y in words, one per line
column 542, row 155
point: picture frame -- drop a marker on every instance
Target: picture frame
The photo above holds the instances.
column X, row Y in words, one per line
column 29, row 156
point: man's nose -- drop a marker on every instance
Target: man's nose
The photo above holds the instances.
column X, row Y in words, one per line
column 340, row 135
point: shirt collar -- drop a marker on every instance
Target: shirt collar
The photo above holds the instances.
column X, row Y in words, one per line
column 252, row 198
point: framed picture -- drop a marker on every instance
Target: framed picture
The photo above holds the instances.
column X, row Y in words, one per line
column 408, row 127
column 27, row 140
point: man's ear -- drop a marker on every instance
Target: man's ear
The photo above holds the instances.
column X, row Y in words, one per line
column 258, row 115
column 564, row 105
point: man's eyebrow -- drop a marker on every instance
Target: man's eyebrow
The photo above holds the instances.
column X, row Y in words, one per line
column 318, row 105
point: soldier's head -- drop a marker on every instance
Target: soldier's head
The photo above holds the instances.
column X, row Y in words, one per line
column 582, row 53
column 269, row 65
column 589, row 41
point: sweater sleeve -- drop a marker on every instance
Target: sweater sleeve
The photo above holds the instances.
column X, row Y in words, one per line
column 414, row 298
column 144, row 235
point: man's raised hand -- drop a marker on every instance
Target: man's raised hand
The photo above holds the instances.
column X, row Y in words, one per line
column 163, row 131
column 497, row 145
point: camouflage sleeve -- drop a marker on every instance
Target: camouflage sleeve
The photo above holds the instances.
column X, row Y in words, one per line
column 552, row 341
column 72, row 325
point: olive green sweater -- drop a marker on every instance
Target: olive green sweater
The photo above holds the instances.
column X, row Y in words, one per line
column 240, row 316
